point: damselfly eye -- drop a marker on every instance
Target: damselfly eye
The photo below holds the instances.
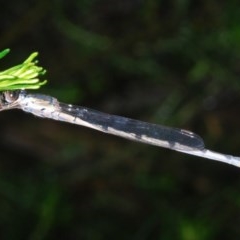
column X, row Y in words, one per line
column 10, row 96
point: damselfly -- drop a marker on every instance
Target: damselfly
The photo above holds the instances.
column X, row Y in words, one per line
column 173, row 138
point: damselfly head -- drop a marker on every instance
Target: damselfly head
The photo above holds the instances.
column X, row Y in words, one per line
column 11, row 96
column 8, row 99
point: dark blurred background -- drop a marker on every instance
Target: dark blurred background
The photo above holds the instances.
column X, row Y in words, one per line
column 175, row 63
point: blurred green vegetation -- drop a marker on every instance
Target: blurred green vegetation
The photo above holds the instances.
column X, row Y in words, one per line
column 168, row 62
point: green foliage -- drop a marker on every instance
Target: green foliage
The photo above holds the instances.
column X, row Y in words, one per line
column 21, row 76
column 170, row 62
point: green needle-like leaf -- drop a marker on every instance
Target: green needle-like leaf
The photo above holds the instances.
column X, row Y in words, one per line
column 22, row 76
